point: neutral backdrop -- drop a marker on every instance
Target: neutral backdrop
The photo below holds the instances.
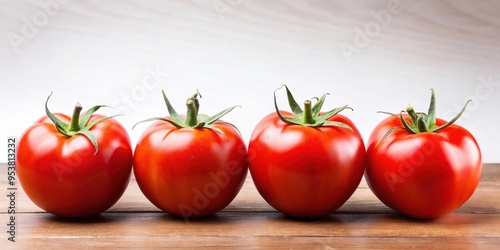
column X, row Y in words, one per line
column 372, row 55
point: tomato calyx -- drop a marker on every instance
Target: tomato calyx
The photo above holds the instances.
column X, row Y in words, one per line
column 193, row 118
column 421, row 122
column 310, row 116
column 78, row 125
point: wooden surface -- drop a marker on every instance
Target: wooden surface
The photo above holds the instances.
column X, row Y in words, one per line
column 101, row 52
column 248, row 222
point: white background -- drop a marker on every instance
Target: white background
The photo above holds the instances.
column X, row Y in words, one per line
column 240, row 51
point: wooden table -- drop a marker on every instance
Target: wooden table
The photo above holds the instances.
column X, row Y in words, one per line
column 248, row 222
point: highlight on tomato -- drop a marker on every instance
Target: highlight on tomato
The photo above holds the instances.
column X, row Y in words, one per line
column 420, row 165
column 190, row 165
column 76, row 166
column 308, row 163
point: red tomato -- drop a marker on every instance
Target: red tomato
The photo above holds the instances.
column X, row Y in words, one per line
column 424, row 175
column 65, row 175
column 305, row 171
column 190, row 171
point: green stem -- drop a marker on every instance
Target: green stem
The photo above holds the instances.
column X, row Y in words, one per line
column 75, row 118
column 421, row 122
column 194, row 97
column 422, row 125
column 308, row 115
column 411, row 112
column 192, row 113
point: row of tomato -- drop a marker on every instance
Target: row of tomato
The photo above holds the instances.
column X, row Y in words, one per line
column 305, row 163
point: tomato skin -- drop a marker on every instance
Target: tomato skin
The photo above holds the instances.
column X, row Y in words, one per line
column 425, row 175
column 305, row 172
column 62, row 175
column 190, row 172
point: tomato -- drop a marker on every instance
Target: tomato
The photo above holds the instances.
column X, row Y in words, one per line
column 190, row 166
column 422, row 166
column 74, row 175
column 306, row 167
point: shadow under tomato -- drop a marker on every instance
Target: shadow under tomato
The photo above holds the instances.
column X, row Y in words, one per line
column 449, row 218
column 331, row 218
column 98, row 219
column 403, row 217
column 455, row 218
column 399, row 217
column 214, row 218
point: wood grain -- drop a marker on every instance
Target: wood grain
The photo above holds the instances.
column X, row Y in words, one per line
column 251, row 50
column 248, row 222
column 250, row 242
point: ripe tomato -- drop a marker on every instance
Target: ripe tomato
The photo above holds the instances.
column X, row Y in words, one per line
column 190, row 166
column 77, row 174
column 306, row 167
column 422, row 166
